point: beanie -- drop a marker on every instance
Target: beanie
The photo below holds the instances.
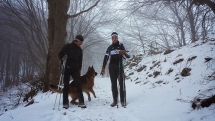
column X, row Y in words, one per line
column 79, row 38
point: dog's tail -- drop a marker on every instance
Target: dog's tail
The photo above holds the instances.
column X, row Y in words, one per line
column 55, row 88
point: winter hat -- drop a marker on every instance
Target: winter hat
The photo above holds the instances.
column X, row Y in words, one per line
column 114, row 34
column 79, row 38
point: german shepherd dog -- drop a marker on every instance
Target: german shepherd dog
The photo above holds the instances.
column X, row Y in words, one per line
column 87, row 83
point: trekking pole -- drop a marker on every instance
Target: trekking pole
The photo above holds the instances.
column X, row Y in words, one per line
column 60, row 93
column 60, row 83
column 58, row 89
column 119, row 79
column 118, row 95
column 122, row 78
column 63, row 70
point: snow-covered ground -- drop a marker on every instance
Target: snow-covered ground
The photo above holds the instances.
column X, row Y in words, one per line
column 149, row 99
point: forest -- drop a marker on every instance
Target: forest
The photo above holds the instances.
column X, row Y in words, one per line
column 33, row 31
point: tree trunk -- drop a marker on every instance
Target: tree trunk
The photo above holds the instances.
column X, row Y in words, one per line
column 7, row 77
column 183, row 36
column 57, row 22
column 180, row 25
column 192, row 25
column 2, row 63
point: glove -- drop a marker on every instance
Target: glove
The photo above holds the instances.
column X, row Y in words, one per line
column 64, row 57
column 121, row 52
column 102, row 71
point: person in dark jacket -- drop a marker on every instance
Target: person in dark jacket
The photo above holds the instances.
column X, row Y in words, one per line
column 116, row 52
column 72, row 53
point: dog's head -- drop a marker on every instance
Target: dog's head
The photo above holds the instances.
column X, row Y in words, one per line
column 91, row 69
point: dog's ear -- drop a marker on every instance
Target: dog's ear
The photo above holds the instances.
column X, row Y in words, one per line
column 92, row 67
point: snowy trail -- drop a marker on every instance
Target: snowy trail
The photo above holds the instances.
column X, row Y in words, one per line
column 144, row 104
column 98, row 109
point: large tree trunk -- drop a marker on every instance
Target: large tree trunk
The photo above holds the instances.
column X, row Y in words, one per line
column 57, row 22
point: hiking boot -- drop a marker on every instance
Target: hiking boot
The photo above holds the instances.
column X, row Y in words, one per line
column 82, row 105
column 113, row 104
column 66, row 106
column 123, row 103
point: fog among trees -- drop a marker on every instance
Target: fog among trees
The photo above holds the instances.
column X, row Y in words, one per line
column 32, row 32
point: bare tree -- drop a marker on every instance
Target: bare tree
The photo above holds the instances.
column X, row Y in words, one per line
column 29, row 45
column 89, row 25
column 170, row 24
column 23, row 37
column 29, row 26
column 209, row 3
column 57, row 22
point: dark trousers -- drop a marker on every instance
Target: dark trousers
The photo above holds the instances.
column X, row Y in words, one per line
column 114, row 75
column 75, row 73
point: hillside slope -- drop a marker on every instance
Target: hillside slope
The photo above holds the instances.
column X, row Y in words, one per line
column 160, row 98
column 162, row 78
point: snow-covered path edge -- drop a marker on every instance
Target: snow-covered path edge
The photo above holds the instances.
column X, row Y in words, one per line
column 143, row 104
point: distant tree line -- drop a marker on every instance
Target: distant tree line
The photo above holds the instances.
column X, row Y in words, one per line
column 24, row 42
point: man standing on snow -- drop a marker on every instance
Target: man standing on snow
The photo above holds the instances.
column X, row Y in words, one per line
column 73, row 55
column 116, row 52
